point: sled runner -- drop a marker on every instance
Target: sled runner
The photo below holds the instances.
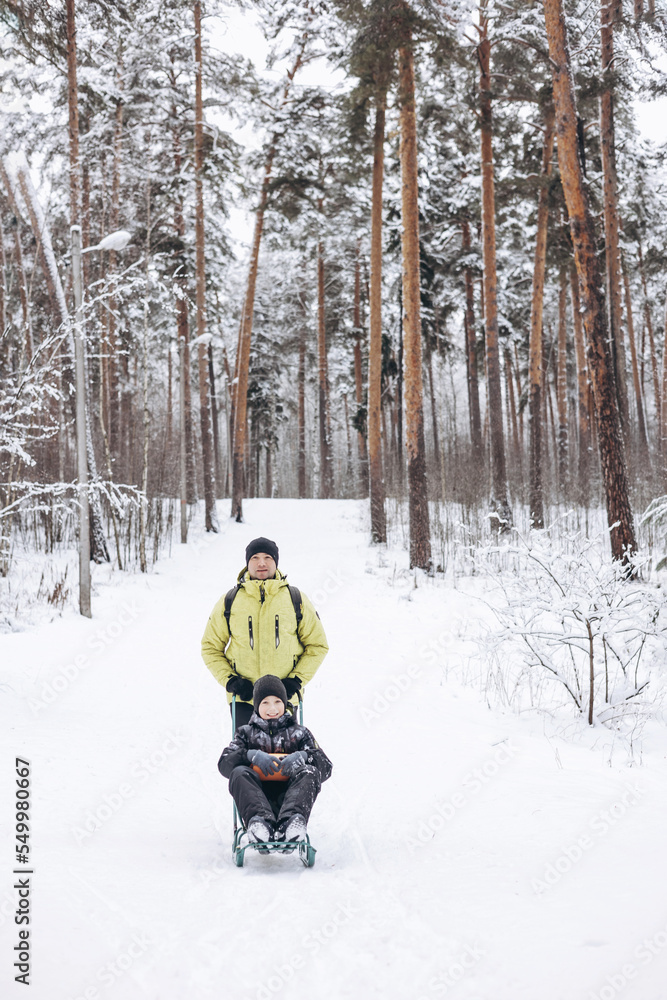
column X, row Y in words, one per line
column 304, row 847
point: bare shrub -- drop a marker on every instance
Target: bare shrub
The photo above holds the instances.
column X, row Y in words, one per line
column 572, row 629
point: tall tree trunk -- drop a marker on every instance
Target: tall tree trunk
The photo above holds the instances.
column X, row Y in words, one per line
column 471, row 351
column 170, row 396
column 143, row 510
column 109, row 397
column 358, row 368
column 376, row 476
column 663, row 396
column 582, row 229
column 654, row 356
column 611, row 226
column 500, row 501
column 215, row 423
column 348, row 439
column 641, row 422
column 183, row 332
column 301, row 405
column 240, row 398
column 437, row 461
column 536, row 318
column 583, row 388
column 73, row 125
column 202, row 348
column 326, row 468
column 561, row 384
column 99, row 552
column 550, row 402
column 519, row 392
column 399, row 386
column 20, row 266
column 420, row 530
column 512, row 410
column 546, row 355
column 3, row 288
column 114, row 220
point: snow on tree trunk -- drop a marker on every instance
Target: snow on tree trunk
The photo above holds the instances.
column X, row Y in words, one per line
column 183, row 332
column 375, row 471
column 326, row 469
column 358, row 367
column 211, row 516
column 73, row 126
column 649, row 326
column 641, row 422
column 471, row 351
column 42, row 234
column 114, row 222
column 663, row 397
column 512, row 409
column 20, row 267
column 301, row 400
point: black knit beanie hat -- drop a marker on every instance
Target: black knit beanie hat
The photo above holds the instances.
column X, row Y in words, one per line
column 261, row 545
column 265, row 686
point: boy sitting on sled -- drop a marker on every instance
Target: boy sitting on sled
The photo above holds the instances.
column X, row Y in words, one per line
column 274, row 810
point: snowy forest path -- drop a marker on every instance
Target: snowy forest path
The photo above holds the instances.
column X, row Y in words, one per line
column 459, row 850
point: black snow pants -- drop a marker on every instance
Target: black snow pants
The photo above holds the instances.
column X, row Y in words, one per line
column 274, row 800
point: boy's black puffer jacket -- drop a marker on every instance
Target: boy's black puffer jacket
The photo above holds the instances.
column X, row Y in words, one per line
column 283, row 735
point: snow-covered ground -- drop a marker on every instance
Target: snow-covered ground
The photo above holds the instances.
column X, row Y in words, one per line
column 461, row 852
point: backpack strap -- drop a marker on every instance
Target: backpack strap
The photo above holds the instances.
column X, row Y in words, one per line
column 229, row 600
column 295, row 594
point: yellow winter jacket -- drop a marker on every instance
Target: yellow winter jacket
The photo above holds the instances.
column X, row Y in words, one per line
column 263, row 636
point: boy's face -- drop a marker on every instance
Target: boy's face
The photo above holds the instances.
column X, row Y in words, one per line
column 271, row 707
column 261, row 567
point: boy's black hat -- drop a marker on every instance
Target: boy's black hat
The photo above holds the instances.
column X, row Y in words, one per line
column 261, row 545
column 267, row 685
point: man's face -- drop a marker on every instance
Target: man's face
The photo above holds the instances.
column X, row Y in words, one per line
column 271, row 707
column 261, row 566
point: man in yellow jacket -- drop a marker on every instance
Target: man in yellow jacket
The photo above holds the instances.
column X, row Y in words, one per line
column 262, row 626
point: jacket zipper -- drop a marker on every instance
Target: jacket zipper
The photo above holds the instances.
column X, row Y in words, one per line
column 252, row 641
column 277, row 631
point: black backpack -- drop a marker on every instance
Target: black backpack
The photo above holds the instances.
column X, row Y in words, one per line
column 294, row 593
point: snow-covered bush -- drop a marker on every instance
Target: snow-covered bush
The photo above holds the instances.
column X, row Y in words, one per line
column 572, row 628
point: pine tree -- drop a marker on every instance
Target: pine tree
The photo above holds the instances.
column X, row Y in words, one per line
column 619, row 512
column 420, row 541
